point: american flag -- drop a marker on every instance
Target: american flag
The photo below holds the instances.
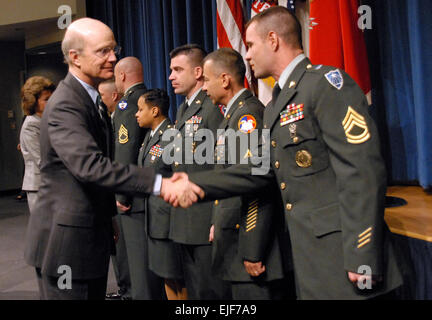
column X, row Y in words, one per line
column 230, row 29
column 231, row 33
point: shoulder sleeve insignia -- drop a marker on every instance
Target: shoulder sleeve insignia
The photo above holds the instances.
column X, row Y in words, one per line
column 123, row 135
column 122, row 105
column 247, row 123
column 356, row 129
column 335, row 78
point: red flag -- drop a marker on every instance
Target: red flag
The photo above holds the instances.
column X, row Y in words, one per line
column 336, row 40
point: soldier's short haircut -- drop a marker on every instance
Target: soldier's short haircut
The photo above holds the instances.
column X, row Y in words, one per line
column 230, row 61
column 195, row 53
column 110, row 83
column 158, row 98
column 282, row 21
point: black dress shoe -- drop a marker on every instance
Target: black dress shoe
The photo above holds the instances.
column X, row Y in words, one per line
column 126, row 298
column 114, row 295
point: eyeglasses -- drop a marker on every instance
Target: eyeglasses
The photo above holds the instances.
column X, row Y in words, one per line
column 104, row 52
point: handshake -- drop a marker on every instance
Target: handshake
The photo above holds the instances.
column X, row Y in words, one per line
column 179, row 191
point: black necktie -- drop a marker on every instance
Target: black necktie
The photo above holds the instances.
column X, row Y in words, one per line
column 107, row 126
column 102, row 109
column 275, row 93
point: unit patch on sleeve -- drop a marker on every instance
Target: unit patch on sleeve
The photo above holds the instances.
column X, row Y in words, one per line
column 247, row 123
column 335, row 78
column 122, row 105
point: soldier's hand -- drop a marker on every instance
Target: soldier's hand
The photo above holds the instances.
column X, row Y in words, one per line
column 122, row 207
column 211, row 233
column 254, row 268
column 179, row 191
column 356, row 278
column 116, row 231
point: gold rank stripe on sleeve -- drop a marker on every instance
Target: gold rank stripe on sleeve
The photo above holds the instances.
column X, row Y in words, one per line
column 123, row 134
column 364, row 237
column 352, row 120
column 252, row 216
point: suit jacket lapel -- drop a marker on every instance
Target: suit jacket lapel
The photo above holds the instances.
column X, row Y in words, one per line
column 272, row 111
column 97, row 127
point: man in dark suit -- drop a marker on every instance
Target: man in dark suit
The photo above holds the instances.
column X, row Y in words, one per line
column 190, row 227
column 110, row 97
column 71, row 232
column 246, row 229
column 325, row 155
column 163, row 258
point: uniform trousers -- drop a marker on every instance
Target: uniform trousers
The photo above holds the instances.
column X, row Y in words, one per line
column 120, row 262
column 201, row 283
column 145, row 285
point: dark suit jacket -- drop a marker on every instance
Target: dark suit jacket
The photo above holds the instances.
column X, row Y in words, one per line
column 72, row 220
column 246, row 227
column 332, row 182
column 128, row 136
column 192, row 225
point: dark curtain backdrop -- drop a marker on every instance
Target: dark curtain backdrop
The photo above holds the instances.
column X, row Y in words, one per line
column 400, row 45
column 150, row 29
column 399, row 48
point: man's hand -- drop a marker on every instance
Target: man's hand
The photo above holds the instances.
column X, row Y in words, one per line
column 116, row 230
column 211, row 233
column 122, row 207
column 362, row 278
column 254, row 268
column 179, row 191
